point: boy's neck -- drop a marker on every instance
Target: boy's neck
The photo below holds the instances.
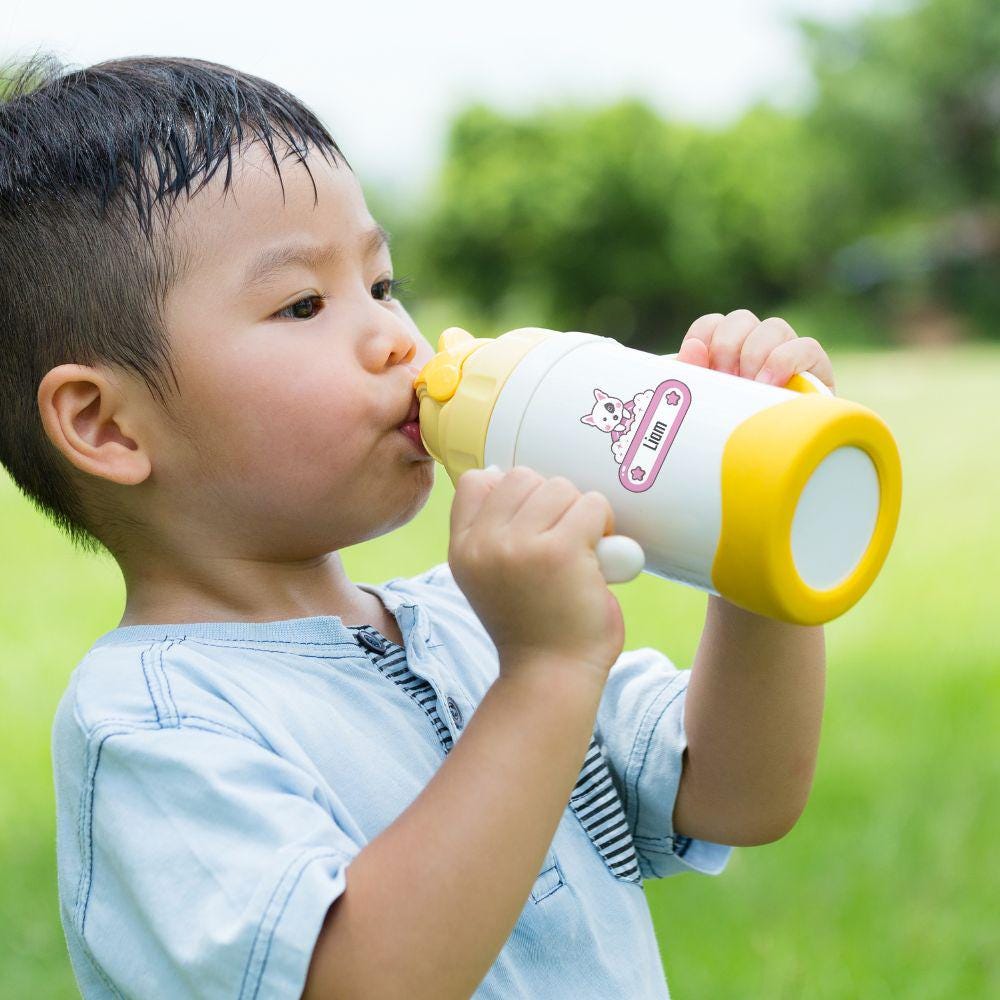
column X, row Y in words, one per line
column 216, row 589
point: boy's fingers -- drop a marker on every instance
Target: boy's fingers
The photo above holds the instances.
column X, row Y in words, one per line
column 803, row 354
column 694, row 352
column 510, row 495
column 541, row 508
column 761, row 342
column 472, row 489
column 727, row 341
column 590, row 518
column 699, row 332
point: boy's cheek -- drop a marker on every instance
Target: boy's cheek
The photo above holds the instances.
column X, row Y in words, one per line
column 423, row 353
column 262, row 433
column 425, row 349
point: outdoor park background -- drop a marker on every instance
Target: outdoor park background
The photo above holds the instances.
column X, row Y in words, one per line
column 868, row 216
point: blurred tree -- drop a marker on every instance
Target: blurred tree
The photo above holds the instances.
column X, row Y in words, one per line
column 616, row 221
column 910, row 106
column 912, row 101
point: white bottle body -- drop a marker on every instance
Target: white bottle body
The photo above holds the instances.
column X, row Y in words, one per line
column 653, row 445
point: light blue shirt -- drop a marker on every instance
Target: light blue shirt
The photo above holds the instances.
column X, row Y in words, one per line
column 213, row 782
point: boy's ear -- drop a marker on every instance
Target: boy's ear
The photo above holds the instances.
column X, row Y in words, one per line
column 90, row 420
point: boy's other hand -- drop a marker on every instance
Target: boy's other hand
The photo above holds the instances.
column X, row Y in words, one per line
column 522, row 551
column 740, row 344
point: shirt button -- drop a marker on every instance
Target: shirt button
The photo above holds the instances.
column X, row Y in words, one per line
column 455, row 711
column 372, row 642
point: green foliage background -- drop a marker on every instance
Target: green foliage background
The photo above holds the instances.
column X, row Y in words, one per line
column 868, row 218
column 871, row 212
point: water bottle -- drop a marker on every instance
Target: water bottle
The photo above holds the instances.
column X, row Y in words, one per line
column 782, row 500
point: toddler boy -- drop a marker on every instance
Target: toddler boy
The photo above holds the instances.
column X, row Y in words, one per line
column 272, row 781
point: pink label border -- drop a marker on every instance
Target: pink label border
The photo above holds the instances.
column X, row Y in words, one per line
column 654, row 404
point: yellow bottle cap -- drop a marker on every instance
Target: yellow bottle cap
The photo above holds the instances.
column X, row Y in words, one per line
column 458, row 389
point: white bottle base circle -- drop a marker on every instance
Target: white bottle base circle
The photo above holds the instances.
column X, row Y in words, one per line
column 835, row 518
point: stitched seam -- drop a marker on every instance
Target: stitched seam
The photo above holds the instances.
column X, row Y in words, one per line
column 149, row 687
column 100, row 972
column 647, row 849
column 212, row 725
column 232, row 643
column 86, row 865
column 645, row 753
column 558, row 884
column 86, row 820
column 347, row 651
column 562, row 874
column 156, row 676
column 411, row 696
column 301, row 862
column 86, row 833
column 128, row 724
column 558, row 868
column 393, row 648
column 165, row 681
column 427, row 711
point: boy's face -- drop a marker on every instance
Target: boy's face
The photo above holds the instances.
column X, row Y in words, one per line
column 290, row 405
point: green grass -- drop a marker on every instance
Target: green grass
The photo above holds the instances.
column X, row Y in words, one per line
column 887, row 886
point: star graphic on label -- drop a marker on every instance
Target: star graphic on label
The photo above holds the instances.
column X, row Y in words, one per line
column 638, row 473
column 673, row 398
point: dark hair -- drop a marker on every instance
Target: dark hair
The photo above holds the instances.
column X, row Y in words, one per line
column 86, row 158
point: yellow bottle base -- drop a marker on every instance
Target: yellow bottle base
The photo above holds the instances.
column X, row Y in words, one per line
column 754, row 567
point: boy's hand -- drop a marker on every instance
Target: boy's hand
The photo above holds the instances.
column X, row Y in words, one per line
column 740, row 344
column 522, row 551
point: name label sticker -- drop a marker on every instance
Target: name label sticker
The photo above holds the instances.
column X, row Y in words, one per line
column 654, row 436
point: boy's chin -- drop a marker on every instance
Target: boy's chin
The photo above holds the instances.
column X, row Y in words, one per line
column 418, row 478
column 424, row 472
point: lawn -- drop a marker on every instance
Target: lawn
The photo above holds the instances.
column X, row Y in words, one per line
column 888, row 885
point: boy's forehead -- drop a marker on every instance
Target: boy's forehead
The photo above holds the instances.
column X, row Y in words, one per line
column 222, row 228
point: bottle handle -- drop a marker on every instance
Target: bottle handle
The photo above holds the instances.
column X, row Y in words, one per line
column 621, row 558
column 806, row 382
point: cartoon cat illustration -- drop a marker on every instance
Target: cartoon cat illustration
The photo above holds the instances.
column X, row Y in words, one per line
column 619, row 419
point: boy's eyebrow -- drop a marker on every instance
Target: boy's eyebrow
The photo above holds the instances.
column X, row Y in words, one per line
column 312, row 255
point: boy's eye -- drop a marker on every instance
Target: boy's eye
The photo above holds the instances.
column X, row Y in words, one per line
column 294, row 312
column 385, row 289
column 305, row 308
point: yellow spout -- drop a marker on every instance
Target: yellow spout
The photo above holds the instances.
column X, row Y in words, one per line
column 441, row 375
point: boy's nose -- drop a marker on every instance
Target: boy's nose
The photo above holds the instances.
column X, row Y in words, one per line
column 401, row 340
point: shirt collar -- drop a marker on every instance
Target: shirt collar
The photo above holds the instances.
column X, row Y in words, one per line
column 315, row 629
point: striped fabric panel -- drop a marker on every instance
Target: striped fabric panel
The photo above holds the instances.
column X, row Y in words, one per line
column 392, row 664
column 594, row 798
column 599, row 809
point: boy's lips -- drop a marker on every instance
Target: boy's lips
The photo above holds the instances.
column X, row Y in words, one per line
column 410, row 425
column 412, row 413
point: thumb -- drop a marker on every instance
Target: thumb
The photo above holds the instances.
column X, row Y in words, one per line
column 471, row 489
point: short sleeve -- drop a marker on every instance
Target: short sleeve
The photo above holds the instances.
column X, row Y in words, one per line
column 640, row 723
column 208, row 865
